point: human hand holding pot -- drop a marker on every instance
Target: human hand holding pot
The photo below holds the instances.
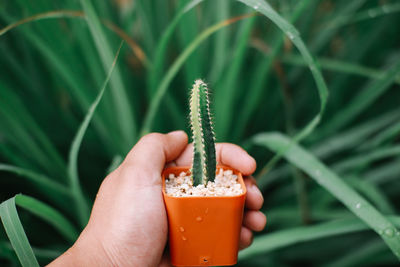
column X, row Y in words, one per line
column 128, row 224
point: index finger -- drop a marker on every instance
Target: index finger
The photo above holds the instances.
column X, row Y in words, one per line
column 227, row 154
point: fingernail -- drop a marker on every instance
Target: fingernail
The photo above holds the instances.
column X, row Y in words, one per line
column 255, row 190
column 176, row 133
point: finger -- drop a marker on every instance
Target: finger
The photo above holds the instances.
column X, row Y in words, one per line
column 246, row 238
column 146, row 160
column 254, row 198
column 171, row 164
column 165, row 260
column 155, row 149
column 165, row 263
column 254, row 220
column 227, row 154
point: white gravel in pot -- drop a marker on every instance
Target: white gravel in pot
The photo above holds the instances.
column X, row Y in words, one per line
column 226, row 184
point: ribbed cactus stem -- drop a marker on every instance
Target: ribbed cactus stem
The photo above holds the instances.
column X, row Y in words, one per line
column 204, row 157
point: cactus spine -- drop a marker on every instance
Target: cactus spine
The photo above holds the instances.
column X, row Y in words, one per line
column 204, row 157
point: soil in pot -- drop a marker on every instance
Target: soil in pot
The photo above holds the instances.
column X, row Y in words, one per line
column 226, row 184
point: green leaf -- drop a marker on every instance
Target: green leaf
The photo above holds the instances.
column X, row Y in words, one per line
column 124, row 114
column 365, row 158
column 362, row 100
column 55, row 191
column 340, row 142
column 154, row 76
column 355, row 136
column 47, row 15
column 50, row 215
column 360, row 255
column 175, row 67
column 371, row 13
column 81, row 203
column 26, row 134
column 292, row 33
column 16, row 233
column 387, row 134
column 373, row 193
column 326, row 34
column 308, row 163
column 59, row 64
column 7, row 252
column 383, row 174
column 221, row 41
column 226, row 95
column 52, row 187
column 283, row 238
column 337, row 66
column 47, row 255
column 262, row 74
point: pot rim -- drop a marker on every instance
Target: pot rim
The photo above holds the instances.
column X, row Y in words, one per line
column 187, row 168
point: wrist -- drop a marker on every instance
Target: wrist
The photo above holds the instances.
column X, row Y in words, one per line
column 86, row 251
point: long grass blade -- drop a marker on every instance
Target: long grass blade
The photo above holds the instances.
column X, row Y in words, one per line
column 16, row 233
column 358, row 161
column 57, row 14
column 283, row 238
column 124, row 113
column 328, row 64
column 263, row 74
column 355, row 136
column 305, row 161
column 387, row 134
column 155, row 74
column 27, row 135
column 221, row 44
column 48, row 214
column 362, row 101
column 326, row 35
column 291, row 32
column 373, row 193
column 38, row 179
column 226, row 94
column 359, row 256
column 339, row 143
column 6, row 250
column 188, row 30
column 385, row 173
column 175, row 67
column 47, row 15
column 61, row 66
column 371, row 13
column 81, row 203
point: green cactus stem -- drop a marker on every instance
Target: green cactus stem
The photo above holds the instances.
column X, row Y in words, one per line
column 204, row 157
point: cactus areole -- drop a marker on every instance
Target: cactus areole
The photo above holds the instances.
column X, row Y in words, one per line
column 204, row 157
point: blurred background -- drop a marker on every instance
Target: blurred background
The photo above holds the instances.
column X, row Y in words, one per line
column 331, row 199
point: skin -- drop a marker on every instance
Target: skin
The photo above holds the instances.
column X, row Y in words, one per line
column 128, row 225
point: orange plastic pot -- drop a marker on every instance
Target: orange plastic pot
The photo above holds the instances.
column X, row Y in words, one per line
column 204, row 230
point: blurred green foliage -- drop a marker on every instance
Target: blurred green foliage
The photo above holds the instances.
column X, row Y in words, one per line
column 324, row 197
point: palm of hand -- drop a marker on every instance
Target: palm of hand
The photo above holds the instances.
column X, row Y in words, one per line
column 128, row 224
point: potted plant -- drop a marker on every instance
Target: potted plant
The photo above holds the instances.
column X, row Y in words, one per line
column 204, row 202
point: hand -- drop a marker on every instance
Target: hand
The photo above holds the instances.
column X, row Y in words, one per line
column 128, row 224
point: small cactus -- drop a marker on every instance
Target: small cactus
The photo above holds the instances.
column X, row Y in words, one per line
column 204, row 157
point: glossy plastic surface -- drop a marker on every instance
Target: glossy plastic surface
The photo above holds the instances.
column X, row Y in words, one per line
column 204, row 230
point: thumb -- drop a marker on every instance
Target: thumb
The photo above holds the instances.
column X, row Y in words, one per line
column 149, row 156
column 128, row 200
